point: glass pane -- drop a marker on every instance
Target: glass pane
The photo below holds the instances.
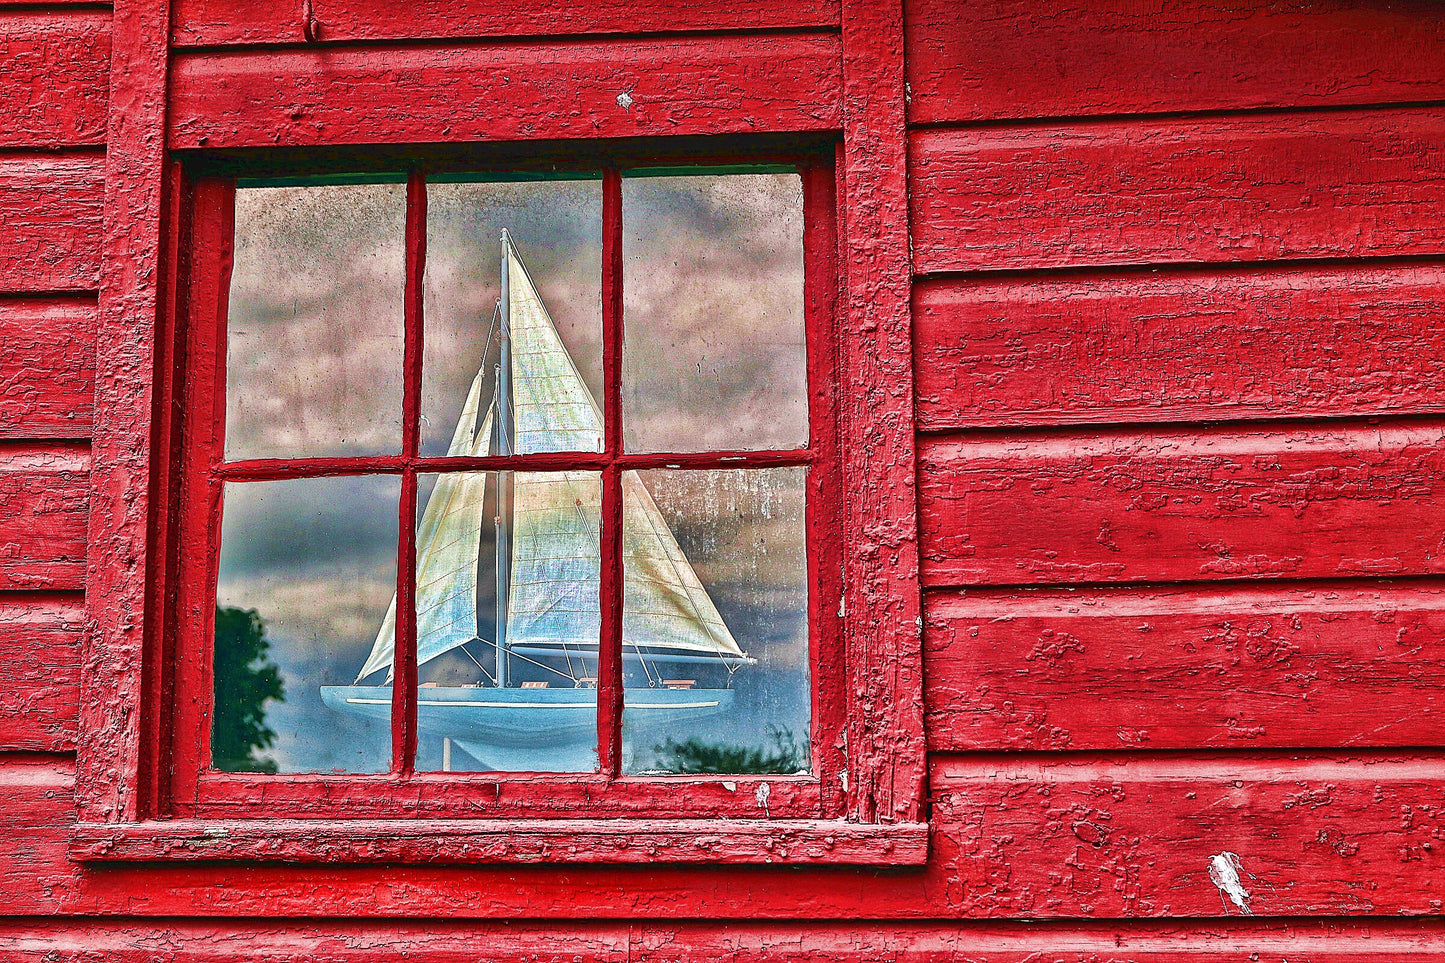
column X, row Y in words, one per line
column 314, row 327
column 714, row 622
column 307, row 570
column 515, row 556
column 553, row 316
column 713, row 355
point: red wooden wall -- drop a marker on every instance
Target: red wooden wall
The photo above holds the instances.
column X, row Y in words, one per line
column 1179, row 276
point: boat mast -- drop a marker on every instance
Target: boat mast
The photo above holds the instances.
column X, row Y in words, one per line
column 504, row 444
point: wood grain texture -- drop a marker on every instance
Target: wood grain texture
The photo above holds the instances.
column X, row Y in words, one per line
column 1039, row 837
column 1113, row 192
column 944, row 941
column 1130, row 838
column 208, row 23
column 1326, row 666
column 1204, row 504
column 674, row 86
column 879, row 539
column 54, row 71
column 47, row 367
column 1009, row 58
column 50, row 206
column 1178, row 347
column 40, row 650
column 593, row 841
column 117, row 713
column 44, row 505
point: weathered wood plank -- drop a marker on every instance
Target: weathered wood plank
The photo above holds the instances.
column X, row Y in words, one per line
column 1245, row 188
column 40, row 650
column 1331, row 665
column 1010, row 58
column 1194, row 837
column 946, row 941
column 877, row 546
column 54, row 74
column 1038, row 837
column 787, row 82
column 510, row 842
column 119, row 715
column 50, row 206
column 1176, row 347
column 43, row 502
column 47, row 367
column 1202, row 504
column 207, row 23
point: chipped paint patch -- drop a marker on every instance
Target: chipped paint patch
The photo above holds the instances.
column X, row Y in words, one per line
column 624, row 100
column 1224, row 871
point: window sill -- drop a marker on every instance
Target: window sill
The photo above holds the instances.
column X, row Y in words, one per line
column 736, row 841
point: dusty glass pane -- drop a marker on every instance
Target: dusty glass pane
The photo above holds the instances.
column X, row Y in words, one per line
column 553, row 313
column 314, row 324
column 714, row 622
column 513, row 556
column 713, row 354
column 307, row 569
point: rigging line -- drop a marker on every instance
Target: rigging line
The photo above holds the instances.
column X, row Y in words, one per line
column 513, row 653
column 491, row 678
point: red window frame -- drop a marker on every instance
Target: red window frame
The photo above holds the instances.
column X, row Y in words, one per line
column 199, row 791
column 144, row 795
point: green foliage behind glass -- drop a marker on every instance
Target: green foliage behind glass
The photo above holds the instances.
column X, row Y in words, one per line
column 245, row 681
column 785, row 756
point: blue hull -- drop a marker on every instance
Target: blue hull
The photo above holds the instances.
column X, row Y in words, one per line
column 531, row 730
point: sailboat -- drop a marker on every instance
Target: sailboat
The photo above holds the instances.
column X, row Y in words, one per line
column 531, row 709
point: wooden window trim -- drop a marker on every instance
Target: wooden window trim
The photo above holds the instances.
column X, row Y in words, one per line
column 124, row 801
column 196, row 791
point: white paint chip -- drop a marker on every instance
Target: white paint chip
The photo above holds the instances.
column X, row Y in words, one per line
column 1224, row 870
column 764, row 791
column 624, row 100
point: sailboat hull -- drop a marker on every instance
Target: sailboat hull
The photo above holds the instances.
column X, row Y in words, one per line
column 532, row 730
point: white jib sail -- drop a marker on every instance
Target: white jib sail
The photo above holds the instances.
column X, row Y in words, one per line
column 556, row 548
column 447, row 543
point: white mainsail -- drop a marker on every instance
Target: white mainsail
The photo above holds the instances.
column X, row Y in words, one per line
column 553, row 584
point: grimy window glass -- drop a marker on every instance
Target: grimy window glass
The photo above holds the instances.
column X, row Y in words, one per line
column 516, row 476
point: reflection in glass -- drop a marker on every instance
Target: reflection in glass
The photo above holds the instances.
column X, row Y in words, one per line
column 714, row 622
column 310, row 564
column 553, row 308
column 713, row 356
column 314, row 329
column 507, row 621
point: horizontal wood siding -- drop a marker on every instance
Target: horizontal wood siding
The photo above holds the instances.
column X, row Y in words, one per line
column 1039, row 837
column 47, row 367
column 40, row 652
column 1188, row 504
column 1129, row 837
column 50, row 206
column 1329, row 185
column 208, row 23
column 43, row 501
column 729, row 85
column 1328, row 665
column 132, row 941
column 54, row 74
column 1273, row 342
column 996, row 59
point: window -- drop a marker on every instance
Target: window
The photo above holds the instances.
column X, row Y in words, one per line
column 509, row 503
column 564, row 548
